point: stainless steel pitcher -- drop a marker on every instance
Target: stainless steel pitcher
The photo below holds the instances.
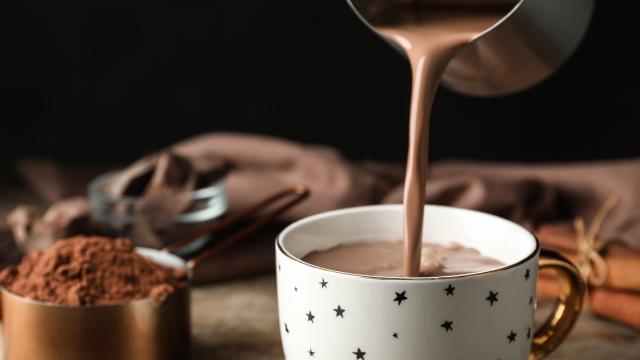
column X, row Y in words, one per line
column 525, row 47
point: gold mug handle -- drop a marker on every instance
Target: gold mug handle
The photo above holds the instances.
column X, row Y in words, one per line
column 567, row 308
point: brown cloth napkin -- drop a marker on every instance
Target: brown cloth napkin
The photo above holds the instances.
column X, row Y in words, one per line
column 535, row 194
column 528, row 194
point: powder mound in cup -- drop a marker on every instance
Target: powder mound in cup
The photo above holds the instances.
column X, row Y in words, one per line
column 91, row 271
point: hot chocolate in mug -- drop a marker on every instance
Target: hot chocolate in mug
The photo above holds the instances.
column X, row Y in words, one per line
column 326, row 314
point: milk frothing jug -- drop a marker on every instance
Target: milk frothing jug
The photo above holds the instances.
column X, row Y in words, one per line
column 525, row 47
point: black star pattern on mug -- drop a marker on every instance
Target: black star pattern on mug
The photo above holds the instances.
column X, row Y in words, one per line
column 530, row 300
column 447, row 325
column 286, row 328
column 512, row 336
column 323, row 283
column 311, row 353
column 493, row 297
column 527, row 274
column 279, row 267
column 359, row 354
column 395, row 335
column 528, row 333
column 339, row 311
column 295, row 288
column 400, row 297
column 310, row 317
column 449, row 289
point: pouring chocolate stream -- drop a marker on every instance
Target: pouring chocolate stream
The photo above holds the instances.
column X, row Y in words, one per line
column 430, row 36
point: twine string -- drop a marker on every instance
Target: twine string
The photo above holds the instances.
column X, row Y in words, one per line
column 591, row 262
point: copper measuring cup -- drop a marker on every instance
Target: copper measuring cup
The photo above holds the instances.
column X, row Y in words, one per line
column 148, row 329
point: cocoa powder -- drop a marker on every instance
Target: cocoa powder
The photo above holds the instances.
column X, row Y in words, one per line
column 91, row 271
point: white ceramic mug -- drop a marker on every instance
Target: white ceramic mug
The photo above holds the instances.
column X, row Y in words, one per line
column 326, row 314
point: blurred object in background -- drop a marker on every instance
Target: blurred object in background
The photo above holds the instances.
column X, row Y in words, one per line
column 160, row 199
column 153, row 202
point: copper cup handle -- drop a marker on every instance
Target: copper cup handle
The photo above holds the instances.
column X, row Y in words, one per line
column 567, row 309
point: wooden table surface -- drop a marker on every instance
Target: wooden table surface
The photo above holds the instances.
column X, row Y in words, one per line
column 238, row 320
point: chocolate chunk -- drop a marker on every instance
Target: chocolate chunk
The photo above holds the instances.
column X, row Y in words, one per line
column 163, row 184
column 155, row 175
column 133, row 180
column 172, row 175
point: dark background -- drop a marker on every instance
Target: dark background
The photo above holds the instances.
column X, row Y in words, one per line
column 95, row 82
